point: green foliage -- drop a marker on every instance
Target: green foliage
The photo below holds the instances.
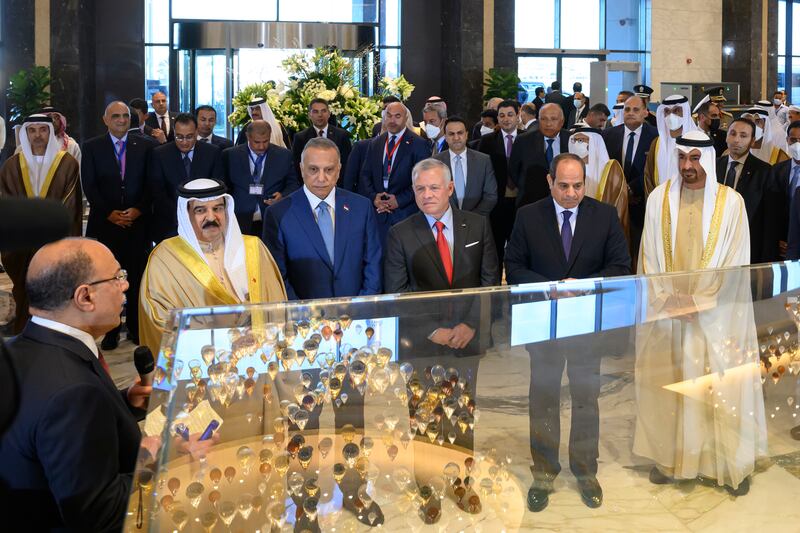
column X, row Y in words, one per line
column 501, row 83
column 28, row 92
column 325, row 74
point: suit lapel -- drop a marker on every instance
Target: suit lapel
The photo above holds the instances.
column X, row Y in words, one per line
column 403, row 151
column 302, row 212
column 460, row 230
column 581, row 229
column 341, row 229
column 472, row 180
column 425, row 236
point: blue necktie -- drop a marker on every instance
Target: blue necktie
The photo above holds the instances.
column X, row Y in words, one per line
column 629, row 155
column 459, row 181
column 325, row 227
column 566, row 233
column 187, row 166
column 548, row 154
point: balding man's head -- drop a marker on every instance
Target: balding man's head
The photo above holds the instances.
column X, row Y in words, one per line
column 117, row 118
column 551, row 119
column 493, row 103
column 78, row 282
column 395, row 116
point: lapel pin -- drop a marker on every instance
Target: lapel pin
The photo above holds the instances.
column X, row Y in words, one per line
column 345, row 207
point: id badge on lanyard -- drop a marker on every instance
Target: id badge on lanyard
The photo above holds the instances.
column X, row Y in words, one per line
column 256, row 187
column 390, row 155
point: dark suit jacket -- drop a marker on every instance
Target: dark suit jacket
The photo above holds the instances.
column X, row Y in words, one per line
column 68, row 457
column 538, row 102
column 614, row 139
column 350, row 175
column 535, row 253
column 571, row 117
column 765, row 205
column 152, row 121
column 480, row 195
column 106, row 191
column 528, row 166
column 412, row 262
column 293, row 237
column 167, row 172
column 411, row 151
column 220, row 142
column 277, row 175
column 493, row 145
column 338, row 135
column 793, row 250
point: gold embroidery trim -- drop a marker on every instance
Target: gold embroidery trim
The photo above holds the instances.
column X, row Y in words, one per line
column 713, row 233
column 26, row 178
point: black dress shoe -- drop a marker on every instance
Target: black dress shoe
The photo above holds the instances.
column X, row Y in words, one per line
column 657, row 478
column 110, row 342
column 591, row 492
column 538, row 494
column 741, row 490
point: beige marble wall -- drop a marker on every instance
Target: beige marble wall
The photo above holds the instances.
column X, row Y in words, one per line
column 681, row 30
column 42, row 31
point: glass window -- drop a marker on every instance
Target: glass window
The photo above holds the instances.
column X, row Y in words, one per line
column 391, row 23
column 576, row 69
column 258, row 65
column 782, row 28
column 156, row 21
column 390, row 61
column 794, row 97
column 536, row 72
column 623, row 25
column 580, row 24
column 156, row 74
column 233, row 10
column 329, row 11
column 532, row 27
column 781, row 73
column 210, row 74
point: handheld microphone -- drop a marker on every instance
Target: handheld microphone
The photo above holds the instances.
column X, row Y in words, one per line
column 145, row 365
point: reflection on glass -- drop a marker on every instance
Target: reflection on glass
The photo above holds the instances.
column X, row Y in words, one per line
column 156, row 75
column 210, row 77
column 536, row 72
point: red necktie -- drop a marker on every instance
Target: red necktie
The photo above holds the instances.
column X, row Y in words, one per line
column 444, row 251
column 103, row 362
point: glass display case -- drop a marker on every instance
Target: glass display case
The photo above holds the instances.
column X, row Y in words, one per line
column 441, row 411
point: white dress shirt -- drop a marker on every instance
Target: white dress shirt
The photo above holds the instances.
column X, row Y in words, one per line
column 315, row 200
column 165, row 120
column 556, row 145
column 447, row 220
column 560, row 217
column 739, row 168
column 637, row 135
column 324, row 131
column 463, row 165
column 75, row 333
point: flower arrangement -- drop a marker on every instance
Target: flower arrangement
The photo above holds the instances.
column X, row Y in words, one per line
column 328, row 75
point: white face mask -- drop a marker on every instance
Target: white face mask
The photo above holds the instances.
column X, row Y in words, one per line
column 794, row 151
column 674, row 122
column 578, row 103
column 486, row 130
column 431, row 131
column 759, row 133
column 777, row 101
column 581, row 149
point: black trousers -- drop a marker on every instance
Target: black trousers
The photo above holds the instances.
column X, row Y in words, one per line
column 583, row 371
column 502, row 220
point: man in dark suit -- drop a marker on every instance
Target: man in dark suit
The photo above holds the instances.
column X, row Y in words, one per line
column 386, row 173
column 173, row 163
column 114, row 178
column 708, row 120
column 555, row 96
column 533, row 152
column 538, row 101
column 206, row 117
column 320, row 115
column 786, row 175
column 765, row 201
column 161, row 118
column 258, row 174
column 460, row 255
column 564, row 237
column 139, row 112
column 350, row 175
column 479, row 128
column 67, row 460
column 498, row 146
column 323, row 238
column 629, row 143
column 473, row 176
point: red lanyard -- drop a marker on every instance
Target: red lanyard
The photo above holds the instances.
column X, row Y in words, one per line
column 390, row 153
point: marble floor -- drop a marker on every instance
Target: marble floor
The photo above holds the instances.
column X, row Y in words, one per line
column 631, row 502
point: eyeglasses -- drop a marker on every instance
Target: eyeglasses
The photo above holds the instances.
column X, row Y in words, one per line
column 185, row 138
column 121, row 276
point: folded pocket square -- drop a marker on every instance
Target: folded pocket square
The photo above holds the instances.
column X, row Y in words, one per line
column 472, row 244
